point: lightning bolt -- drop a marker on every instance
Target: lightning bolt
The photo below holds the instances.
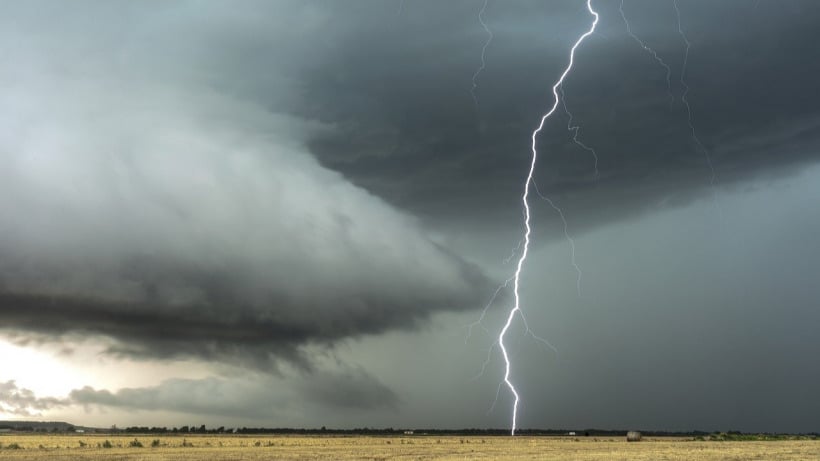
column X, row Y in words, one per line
column 524, row 199
column 566, row 235
column 652, row 52
column 686, row 88
column 480, row 321
column 575, row 129
column 483, row 52
column 512, row 253
column 685, row 101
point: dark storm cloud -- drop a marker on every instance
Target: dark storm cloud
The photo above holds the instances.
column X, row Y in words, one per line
column 20, row 401
column 218, row 329
column 147, row 198
column 410, row 131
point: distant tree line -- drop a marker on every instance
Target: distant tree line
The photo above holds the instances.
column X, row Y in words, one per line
column 34, row 426
column 202, row 429
column 31, row 426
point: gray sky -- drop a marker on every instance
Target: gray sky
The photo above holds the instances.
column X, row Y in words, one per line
column 293, row 213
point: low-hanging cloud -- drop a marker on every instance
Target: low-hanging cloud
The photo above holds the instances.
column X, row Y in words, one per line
column 351, row 389
column 19, row 401
column 180, row 220
column 255, row 396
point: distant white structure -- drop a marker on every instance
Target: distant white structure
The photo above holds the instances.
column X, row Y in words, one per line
column 408, row 432
column 571, row 433
column 80, row 431
column 633, row 436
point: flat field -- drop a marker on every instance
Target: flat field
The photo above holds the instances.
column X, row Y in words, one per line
column 244, row 447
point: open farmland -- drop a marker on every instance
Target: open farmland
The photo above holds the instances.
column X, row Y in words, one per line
column 236, row 447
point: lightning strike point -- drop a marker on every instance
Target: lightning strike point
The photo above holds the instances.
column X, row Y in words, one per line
column 516, row 310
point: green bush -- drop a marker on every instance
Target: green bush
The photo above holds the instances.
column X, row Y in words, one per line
column 135, row 444
column 155, row 443
column 107, row 444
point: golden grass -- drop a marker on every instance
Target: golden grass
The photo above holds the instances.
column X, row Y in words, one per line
column 251, row 448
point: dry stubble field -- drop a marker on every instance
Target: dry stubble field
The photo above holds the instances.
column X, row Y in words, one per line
column 236, row 447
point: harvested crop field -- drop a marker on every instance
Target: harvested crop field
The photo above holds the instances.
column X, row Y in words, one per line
column 236, row 447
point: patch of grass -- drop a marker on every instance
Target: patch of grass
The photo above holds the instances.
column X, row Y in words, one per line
column 135, row 444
